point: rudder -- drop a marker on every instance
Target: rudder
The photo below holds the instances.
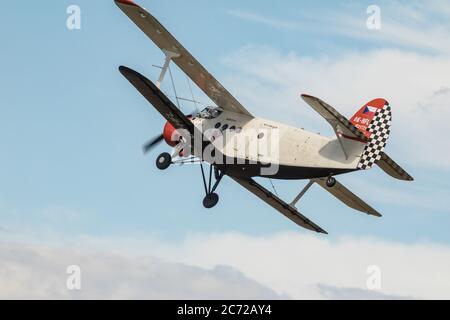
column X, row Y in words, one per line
column 374, row 120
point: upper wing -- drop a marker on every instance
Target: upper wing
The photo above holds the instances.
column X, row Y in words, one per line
column 347, row 197
column 284, row 208
column 185, row 61
column 334, row 118
column 393, row 169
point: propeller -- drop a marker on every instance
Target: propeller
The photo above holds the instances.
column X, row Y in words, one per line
column 152, row 143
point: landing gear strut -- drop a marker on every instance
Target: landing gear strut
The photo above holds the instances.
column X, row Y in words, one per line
column 163, row 161
column 211, row 198
column 331, row 182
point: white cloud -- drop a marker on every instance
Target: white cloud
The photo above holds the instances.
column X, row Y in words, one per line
column 228, row 265
column 306, row 266
column 271, row 22
column 38, row 272
column 334, row 293
column 402, row 25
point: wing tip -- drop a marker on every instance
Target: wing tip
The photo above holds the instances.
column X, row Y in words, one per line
column 401, row 176
column 372, row 212
column 313, row 227
column 126, row 2
column 307, row 96
column 376, row 214
column 124, row 70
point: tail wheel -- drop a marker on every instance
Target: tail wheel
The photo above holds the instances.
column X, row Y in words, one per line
column 163, row 161
column 331, row 182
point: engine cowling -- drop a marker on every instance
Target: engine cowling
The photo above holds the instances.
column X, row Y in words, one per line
column 171, row 136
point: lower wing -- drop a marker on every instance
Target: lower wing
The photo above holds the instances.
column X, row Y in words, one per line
column 278, row 204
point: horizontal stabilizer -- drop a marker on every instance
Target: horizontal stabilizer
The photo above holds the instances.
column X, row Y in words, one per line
column 335, row 119
column 393, row 169
column 347, row 197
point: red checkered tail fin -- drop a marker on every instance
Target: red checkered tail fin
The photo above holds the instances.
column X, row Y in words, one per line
column 374, row 120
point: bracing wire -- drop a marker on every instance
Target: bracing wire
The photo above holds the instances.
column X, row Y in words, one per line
column 174, row 89
column 193, row 100
column 192, row 93
column 273, row 187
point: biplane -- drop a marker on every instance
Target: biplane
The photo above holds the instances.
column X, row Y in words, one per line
column 236, row 144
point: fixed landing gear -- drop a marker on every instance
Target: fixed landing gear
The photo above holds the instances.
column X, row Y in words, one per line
column 211, row 198
column 331, row 182
column 163, row 161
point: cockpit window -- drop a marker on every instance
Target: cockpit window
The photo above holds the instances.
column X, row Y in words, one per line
column 210, row 113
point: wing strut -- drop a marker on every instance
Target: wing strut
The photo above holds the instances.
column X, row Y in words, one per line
column 169, row 57
column 341, row 193
column 302, row 193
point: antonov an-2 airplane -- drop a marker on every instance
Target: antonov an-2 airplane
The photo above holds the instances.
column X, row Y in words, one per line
column 236, row 144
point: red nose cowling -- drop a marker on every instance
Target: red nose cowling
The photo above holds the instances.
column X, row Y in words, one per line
column 171, row 136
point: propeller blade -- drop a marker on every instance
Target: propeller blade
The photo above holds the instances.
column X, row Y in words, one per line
column 152, row 143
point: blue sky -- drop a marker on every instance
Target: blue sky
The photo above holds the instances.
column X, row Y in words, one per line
column 72, row 128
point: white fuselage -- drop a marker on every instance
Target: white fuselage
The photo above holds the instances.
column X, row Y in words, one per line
column 265, row 141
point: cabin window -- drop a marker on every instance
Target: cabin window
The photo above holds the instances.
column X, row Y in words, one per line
column 210, row 113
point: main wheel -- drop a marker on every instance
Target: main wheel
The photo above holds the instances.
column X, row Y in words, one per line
column 163, row 161
column 210, row 200
column 331, row 182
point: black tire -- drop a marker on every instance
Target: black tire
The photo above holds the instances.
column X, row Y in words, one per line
column 210, row 200
column 331, row 182
column 163, row 161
